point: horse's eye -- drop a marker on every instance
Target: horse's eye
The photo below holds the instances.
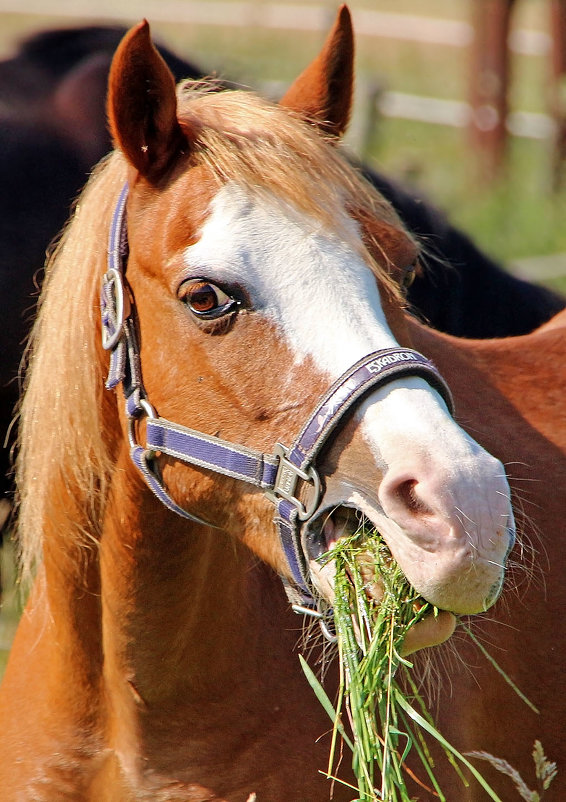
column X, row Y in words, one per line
column 206, row 300
column 409, row 274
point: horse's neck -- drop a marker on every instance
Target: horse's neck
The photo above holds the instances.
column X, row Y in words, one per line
column 152, row 655
column 183, row 606
column 199, row 651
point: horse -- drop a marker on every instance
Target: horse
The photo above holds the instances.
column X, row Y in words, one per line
column 53, row 130
column 197, row 429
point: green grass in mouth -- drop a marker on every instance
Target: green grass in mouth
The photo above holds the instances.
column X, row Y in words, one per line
column 387, row 719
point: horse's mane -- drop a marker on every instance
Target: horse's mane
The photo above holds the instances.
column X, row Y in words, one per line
column 62, row 429
column 263, row 146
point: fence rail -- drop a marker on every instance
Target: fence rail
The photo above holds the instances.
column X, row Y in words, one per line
column 311, row 17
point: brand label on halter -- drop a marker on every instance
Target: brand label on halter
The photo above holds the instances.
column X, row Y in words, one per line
column 335, row 402
column 287, row 481
column 377, row 365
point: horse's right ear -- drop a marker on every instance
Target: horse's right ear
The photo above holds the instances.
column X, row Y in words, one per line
column 142, row 106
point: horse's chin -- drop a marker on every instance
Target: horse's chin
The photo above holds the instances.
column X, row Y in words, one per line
column 343, row 522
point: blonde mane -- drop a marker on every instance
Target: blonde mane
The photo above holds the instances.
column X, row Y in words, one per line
column 62, row 433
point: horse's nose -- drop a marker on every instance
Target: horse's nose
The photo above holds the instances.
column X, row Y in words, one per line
column 456, row 523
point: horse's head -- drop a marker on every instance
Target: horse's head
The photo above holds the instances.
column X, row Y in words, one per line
column 262, row 268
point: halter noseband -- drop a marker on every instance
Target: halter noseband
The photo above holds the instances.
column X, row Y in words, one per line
column 277, row 474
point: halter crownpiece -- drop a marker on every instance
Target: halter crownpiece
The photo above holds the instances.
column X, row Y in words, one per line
column 277, row 474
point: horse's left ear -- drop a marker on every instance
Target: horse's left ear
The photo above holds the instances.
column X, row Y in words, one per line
column 142, row 106
column 323, row 92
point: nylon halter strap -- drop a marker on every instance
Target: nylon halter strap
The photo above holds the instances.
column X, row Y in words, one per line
column 277, row 474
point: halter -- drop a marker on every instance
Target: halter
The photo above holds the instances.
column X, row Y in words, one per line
column 277, row 474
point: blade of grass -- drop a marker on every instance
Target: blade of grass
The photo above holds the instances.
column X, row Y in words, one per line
column 424, row 724
column 500, row 671
column 322, row 697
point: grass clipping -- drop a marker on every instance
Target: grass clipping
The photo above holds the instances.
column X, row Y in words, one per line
column 385, row 720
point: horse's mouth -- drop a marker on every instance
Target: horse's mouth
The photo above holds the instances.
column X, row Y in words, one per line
column 343, row 522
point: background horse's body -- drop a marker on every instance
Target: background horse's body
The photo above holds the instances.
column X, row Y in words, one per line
column 157, row 658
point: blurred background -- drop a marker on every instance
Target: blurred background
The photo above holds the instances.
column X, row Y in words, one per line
column 462, row 100
column 419, row 67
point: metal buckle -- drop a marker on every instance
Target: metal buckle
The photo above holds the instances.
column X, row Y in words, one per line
column 116, row 309
column 325, row 616
column 286, row 483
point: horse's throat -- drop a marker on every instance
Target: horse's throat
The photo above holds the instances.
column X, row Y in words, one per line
column 183, row 606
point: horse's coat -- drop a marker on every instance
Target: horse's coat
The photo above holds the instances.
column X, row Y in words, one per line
column 510, row 395
column 157, row 657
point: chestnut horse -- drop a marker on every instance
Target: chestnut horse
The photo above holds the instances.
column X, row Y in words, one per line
column 250, row 270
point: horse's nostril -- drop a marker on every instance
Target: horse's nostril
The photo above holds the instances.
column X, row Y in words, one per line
column 407, row 492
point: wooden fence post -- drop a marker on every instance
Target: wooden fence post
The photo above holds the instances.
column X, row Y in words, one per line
column 489, row 83
column 557, row 92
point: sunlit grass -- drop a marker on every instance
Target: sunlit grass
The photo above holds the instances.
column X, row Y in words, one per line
column 10, row 608
column 379, row 712
column 515, row 217
column 388, row 719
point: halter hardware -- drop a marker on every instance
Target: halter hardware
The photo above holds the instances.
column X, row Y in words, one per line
column 277, row 474
column 117, row 309
column 286, row 481
column 147, row 411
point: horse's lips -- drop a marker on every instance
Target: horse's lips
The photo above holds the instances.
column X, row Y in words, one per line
column 431, row 631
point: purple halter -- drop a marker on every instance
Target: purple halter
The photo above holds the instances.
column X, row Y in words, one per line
column 277, row 474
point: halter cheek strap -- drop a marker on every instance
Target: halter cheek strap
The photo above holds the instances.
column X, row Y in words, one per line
column 277, row 474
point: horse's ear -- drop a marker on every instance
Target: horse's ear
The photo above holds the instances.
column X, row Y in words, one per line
column 323, row 92
column 142, row 106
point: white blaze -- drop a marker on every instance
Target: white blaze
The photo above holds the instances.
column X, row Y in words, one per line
column 321, row 295
column 324, row 299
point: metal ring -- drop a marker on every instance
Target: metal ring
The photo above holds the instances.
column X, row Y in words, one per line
column 307, row 512
column 112, row 281
column 146, row 407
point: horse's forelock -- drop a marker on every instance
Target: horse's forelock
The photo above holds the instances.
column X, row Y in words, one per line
column 264, row 147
